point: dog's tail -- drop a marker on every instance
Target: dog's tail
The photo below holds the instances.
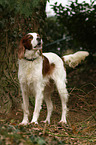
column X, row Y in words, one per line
column 74, row 59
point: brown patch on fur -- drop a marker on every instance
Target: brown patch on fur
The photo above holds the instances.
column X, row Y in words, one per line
column 64, row 63
column 52, row 66
column 63, row 59
column 25, row 43
column 47, row 67
column 21, row 51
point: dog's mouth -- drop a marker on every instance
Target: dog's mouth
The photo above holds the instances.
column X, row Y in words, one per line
column 38, row 46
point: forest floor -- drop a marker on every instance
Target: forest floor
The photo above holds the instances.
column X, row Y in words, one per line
column 81, row 128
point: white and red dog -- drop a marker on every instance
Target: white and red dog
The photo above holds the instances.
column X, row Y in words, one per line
column 37, row 69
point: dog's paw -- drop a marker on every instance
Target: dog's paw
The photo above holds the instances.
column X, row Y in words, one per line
column 33, row 122
column 62, row 122
column 64, row 125
column 46, row 121
column 24, row 123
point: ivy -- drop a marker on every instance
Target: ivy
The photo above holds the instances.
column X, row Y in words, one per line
column 20, row 6
column 20, row 16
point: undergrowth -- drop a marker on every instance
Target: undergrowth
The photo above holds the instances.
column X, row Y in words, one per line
column 81, row 129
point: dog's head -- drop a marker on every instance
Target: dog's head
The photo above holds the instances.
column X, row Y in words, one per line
column 30, row 42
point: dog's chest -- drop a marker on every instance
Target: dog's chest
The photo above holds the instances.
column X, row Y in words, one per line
column 30, row 72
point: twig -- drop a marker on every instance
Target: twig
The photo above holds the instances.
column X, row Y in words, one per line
column 88, row 84
column 72, row 136
column 44, row 130
column 76, row 89
column 84, row 120
column 88, row 106
column 86, row 129
column 90, row 91
column 92, row 132
column 12, row 127
column 72, row 90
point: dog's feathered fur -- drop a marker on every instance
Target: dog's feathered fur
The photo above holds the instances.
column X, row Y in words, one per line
column 36, row 70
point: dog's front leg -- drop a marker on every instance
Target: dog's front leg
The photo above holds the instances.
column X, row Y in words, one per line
column 38, row 103
column 25, row 106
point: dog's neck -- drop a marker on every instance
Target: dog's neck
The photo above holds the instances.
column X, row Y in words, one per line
column 31, row 55
column 32, row 59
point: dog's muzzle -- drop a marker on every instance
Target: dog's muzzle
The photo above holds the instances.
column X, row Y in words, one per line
column 38, row 46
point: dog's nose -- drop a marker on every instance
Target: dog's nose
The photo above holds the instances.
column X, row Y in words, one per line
column 39, row 43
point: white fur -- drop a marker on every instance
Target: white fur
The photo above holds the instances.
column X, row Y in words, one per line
column 74, row 59
column 33, row 82
column 34, row 40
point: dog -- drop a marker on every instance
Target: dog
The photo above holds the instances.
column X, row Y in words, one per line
column 37, row 74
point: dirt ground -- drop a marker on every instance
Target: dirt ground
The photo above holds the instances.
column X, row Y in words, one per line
column 81, row 128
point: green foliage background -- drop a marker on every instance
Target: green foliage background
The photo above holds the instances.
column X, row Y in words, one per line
column 78, row 21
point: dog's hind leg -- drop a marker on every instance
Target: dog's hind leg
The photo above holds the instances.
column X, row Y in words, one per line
column 47, row 99
column 61, row 87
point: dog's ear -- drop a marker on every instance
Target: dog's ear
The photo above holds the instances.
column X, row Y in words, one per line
column 25, row 43
column 21, row 50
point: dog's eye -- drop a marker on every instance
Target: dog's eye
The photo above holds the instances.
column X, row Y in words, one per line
column 38, row 39
column 30, row 37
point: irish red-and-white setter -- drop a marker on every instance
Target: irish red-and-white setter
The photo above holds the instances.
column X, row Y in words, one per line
column 38, row 72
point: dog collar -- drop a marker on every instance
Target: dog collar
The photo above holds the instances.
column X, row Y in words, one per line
column 32, row 59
